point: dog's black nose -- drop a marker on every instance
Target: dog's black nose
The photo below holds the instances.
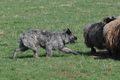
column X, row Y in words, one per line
column 75, row 38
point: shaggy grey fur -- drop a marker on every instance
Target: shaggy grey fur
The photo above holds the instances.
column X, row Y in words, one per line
column 34, row 39
column 93, row 34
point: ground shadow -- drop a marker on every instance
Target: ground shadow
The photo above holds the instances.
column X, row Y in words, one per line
column 28, row 56
column 100, row 54
column 31, row 56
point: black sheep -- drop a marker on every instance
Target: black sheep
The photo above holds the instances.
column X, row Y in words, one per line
column 93, row 34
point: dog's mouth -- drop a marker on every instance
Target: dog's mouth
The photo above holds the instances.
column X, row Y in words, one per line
column 73, row 40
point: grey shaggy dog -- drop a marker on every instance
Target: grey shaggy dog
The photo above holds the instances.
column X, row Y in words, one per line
column 34, row 39
column 93, row 34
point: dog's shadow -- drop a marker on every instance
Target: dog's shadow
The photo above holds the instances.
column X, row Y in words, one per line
column 31, row 56
column 100, row 54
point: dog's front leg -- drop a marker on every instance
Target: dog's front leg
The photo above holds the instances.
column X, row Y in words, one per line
column 67, row 50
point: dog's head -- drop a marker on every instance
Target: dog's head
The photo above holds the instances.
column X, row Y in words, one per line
column 69, row 37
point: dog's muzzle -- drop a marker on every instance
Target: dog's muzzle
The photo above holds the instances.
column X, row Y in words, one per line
column 73, row 40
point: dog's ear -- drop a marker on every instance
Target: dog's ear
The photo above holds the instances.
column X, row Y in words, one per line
column 68, row 31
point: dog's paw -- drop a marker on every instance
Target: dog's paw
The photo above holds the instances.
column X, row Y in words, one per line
column 75, row 53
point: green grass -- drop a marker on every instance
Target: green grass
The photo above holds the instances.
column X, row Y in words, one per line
column 17, row 16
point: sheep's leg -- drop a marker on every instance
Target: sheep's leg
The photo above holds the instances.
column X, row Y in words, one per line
column 115, row 56
column 93, row 50
column 109, row 51
column 116, row 53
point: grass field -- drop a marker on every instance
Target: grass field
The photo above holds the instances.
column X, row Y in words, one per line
column 17, row 16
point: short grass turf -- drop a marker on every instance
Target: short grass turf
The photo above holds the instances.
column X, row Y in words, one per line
column 18, row 16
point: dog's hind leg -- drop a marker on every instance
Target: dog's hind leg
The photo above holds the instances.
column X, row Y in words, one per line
column 22, row 49
column 49, row 51
column 35, row 53
column 67, row 50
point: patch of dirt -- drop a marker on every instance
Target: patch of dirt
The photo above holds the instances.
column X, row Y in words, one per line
column 73, row 76
column 62, row 73
column 101, row 50
column 65, row 73
column 95, row 56
column 103, row 56
column 109, row 69
column 67, row 65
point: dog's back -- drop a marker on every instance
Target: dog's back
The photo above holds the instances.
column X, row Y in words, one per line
column 38, row 37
